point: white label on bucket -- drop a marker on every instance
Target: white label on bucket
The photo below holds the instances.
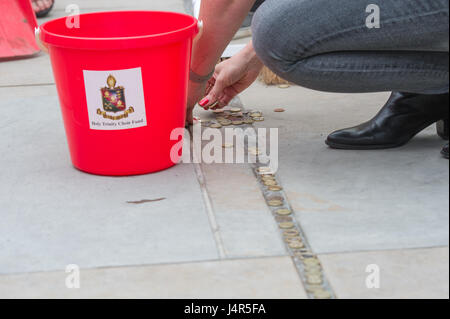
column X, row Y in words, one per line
column 115, row 99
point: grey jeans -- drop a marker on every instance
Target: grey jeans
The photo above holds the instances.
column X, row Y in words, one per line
column 326, row 44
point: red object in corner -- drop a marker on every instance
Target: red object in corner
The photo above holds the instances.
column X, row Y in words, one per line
column 17, row 24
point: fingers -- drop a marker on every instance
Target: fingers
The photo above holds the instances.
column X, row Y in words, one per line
column 223, row 100
column 209, row 86
column 215, row 93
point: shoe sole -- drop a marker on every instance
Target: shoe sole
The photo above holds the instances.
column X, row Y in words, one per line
column 361, row 147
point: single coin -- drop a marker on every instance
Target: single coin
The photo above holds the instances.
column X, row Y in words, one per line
column 312, row 268
column 284, row 86
column 213, row 105
column 270, row 183
column 279, row 110
column 314, row 271
column 291, row 233
column 293, row 240
column 256, row 114
column 313, row 288
column 311, row 261
column 296, row 245
column 225, row 122
column 287, row 225
column 267, row 177
column 215, row 125
column 258, row 119
column 275, row 203
column 275, row 188
column 263, row 169
column 283, row 212
column 314, row 279
column 235, row 109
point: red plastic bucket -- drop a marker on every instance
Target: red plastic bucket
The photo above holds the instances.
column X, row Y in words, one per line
column 122, row 83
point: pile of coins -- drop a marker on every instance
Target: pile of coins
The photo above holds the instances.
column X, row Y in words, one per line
column 234, row 116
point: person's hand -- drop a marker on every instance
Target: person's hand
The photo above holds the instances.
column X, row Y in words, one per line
column 231, row 77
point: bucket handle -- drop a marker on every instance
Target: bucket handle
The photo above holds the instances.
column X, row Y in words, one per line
column 42, row 46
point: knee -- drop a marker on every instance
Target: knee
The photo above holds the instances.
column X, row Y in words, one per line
column 276, row 43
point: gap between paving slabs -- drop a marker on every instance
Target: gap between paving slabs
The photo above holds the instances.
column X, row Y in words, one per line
column 305, row 260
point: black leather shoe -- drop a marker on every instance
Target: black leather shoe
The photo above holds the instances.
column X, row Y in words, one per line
column 403, row 117
column 444, row 151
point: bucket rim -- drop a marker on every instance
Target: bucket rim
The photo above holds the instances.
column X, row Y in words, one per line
column 99, row 43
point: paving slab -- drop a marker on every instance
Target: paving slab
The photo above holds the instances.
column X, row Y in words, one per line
column 54, row 215
column 34, row 70
column 407, row 273
column 232, row 279
column 355, row 200
column 246, row 225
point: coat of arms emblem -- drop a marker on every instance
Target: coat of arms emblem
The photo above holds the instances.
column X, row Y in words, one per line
column 113, row 100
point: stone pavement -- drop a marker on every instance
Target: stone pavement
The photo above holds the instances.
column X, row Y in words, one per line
column 213, row 235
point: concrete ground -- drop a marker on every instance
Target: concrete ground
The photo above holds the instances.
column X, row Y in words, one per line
column 213, row 235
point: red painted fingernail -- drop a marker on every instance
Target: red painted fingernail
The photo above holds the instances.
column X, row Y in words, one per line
column 203, row 102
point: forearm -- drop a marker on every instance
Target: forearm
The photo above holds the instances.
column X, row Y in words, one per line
column 221, row 18
column 250, row 55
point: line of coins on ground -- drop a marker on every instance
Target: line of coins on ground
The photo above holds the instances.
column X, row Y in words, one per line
column 307, row 263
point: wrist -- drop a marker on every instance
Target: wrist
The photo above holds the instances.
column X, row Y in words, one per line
column 250, row 55
column 198, row 78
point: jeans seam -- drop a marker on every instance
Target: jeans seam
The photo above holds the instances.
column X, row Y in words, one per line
column 358, row 29
column 329, row 68
column 373, row 68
